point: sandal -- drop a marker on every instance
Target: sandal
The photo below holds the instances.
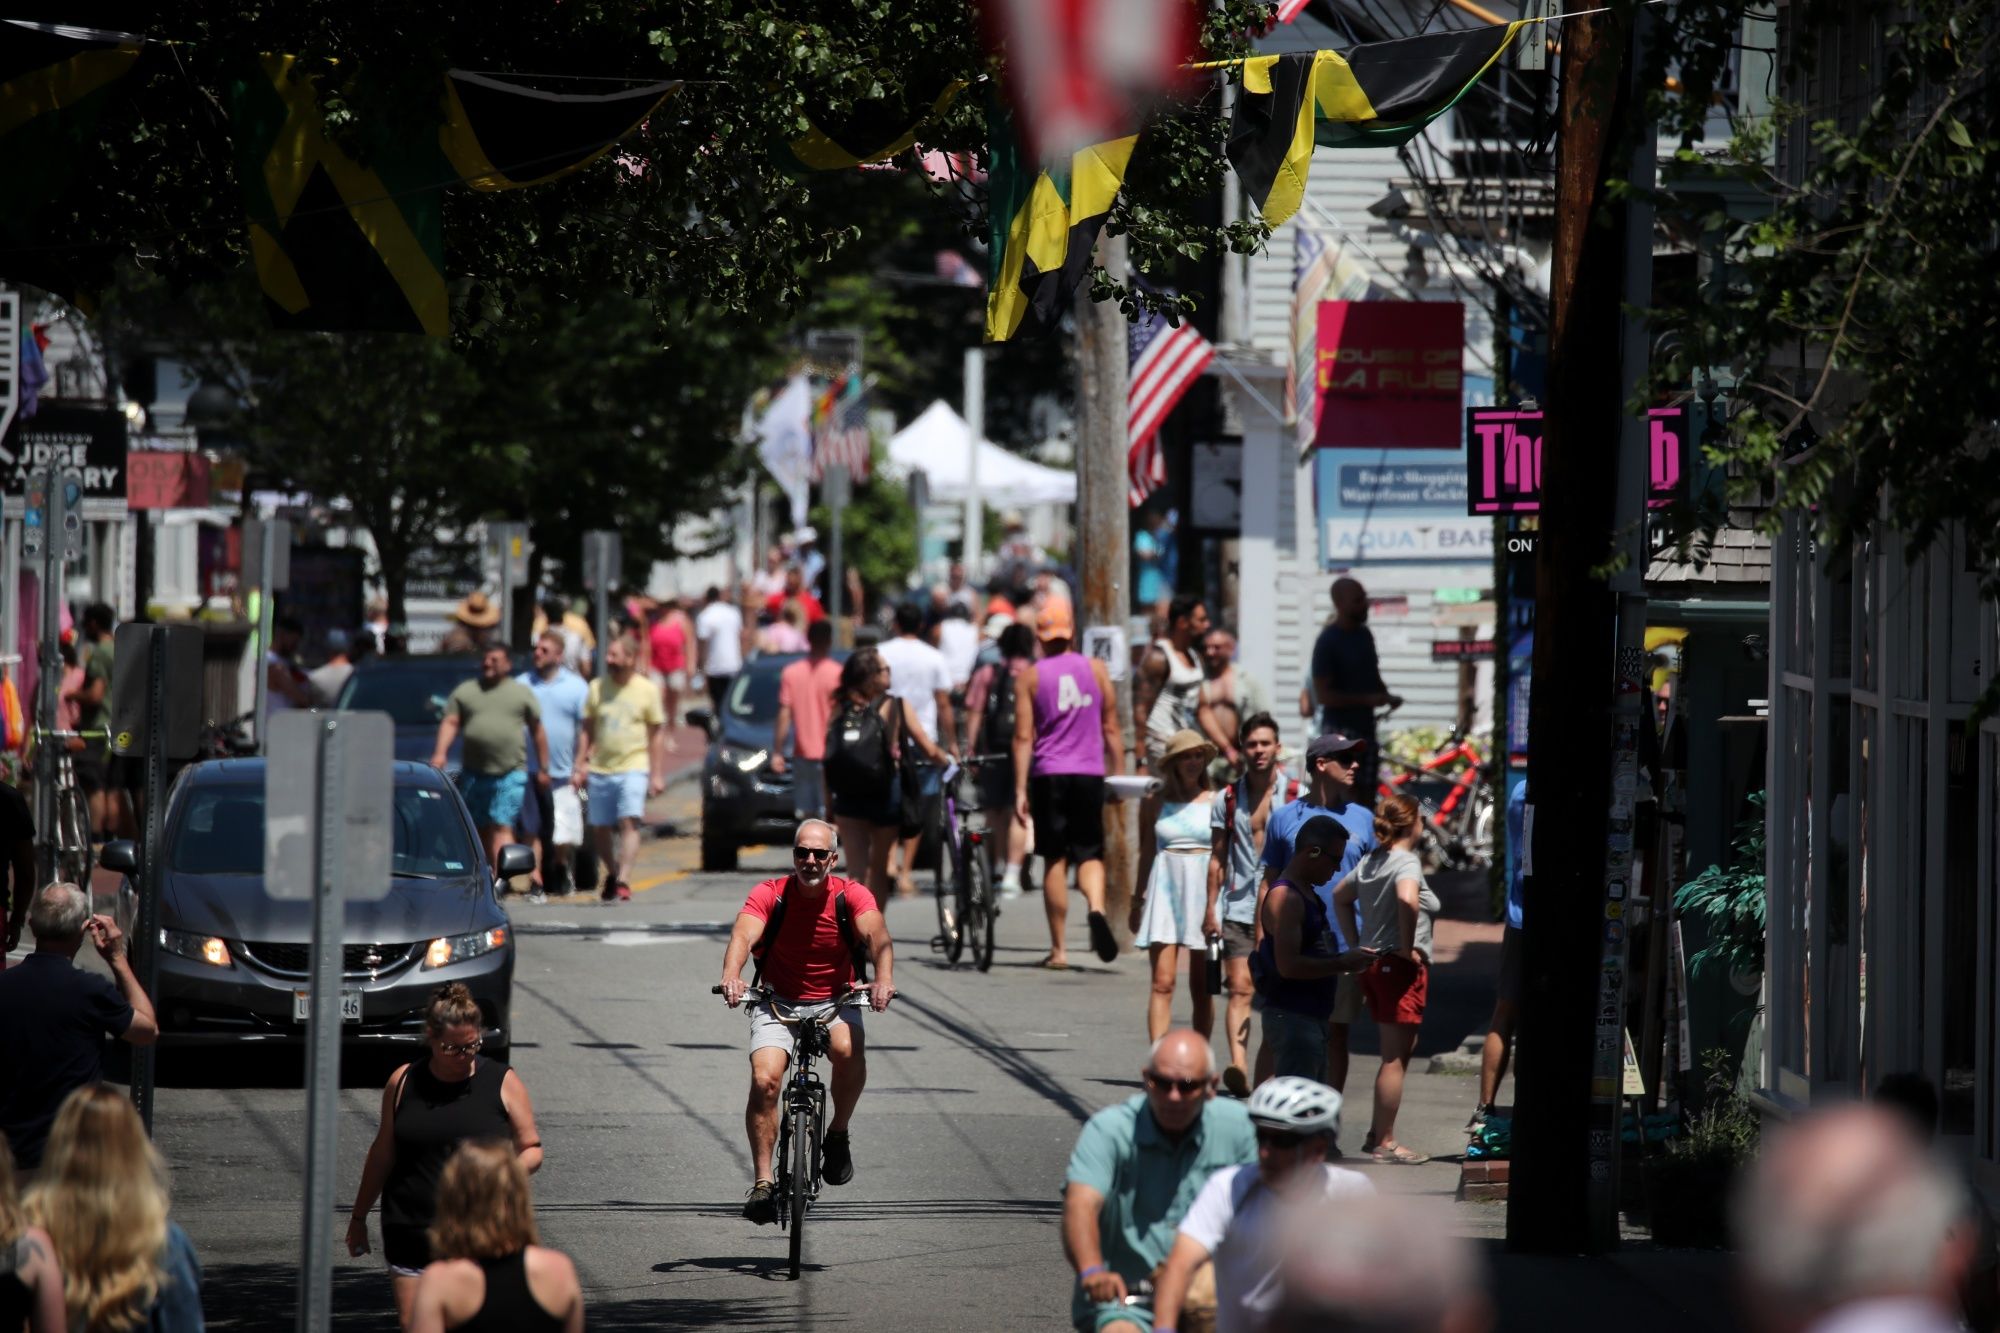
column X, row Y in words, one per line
column 1400, row 1156
column 1049, row 962
column 1101, row 938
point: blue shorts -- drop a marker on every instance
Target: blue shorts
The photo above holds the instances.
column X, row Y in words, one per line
column 1297, row 1042
column 494, row 798
column 616, row 796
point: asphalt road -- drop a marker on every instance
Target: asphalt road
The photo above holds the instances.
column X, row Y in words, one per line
column 977, row 1086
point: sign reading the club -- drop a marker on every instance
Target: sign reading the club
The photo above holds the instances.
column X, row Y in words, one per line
column 1390, row 374
column 1503, row 458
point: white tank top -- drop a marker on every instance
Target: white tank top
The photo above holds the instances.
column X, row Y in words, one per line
column 1174, row 709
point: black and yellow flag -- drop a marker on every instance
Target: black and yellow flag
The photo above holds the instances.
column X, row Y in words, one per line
column 54, row 83
column 1044, row 227
column 337, row 245
column 869, row 130
column 503, row 131
column 1377, row 95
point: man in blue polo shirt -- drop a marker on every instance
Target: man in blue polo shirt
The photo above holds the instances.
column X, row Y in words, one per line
column 1332, row 760
column 558, row 805
column 1136, row 1168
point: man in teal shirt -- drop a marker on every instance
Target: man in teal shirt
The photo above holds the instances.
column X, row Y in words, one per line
column 1136, row 1168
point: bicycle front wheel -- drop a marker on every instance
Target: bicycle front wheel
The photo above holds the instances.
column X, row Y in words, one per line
column 945, row 872
column 979, row 916
column 803, row 1168
column 73, row 853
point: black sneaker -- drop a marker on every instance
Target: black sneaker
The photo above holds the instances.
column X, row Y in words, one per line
column 1101, row 938
column 761, row 1205
column 836, row 1158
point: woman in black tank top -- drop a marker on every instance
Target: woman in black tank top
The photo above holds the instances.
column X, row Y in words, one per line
column 490, row 1275
column 429, row 1108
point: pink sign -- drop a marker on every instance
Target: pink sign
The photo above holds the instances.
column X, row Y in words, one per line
column 1503, row 458
column 1389, row 374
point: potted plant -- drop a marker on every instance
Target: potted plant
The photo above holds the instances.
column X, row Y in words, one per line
column 1687, row 1188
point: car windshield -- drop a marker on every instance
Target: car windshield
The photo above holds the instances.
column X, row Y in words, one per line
column 221, row 832
column 412, row 692
column 753, row 696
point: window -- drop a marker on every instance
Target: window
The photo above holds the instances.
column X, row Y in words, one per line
column 221, row 832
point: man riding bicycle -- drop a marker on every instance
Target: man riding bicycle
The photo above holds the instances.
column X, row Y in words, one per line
column 813, row 934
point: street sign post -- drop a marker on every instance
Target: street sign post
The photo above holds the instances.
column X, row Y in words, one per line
column 155, row 712
column 328, row 787
column 512, row 541
column 267, row 567
column 41, row 529
column 602, row 560
column 835, row 490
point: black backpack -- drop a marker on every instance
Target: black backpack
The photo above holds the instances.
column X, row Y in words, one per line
column 857, row 749
column 857, row 948
column 996, row 729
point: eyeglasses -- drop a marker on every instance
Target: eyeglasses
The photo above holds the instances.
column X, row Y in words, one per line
column 1279, row 1138
column 812, row 853
column 462, row 1047
column 1186, row 1087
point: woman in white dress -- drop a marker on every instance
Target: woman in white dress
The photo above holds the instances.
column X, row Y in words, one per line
column 1167, row 913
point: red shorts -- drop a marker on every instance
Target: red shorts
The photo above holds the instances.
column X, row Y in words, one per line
column 1396, row 989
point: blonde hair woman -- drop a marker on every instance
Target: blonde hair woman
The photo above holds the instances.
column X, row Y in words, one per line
column 491, row 1272
column 31, row 1281
column 102, row 1200
column 1172, row 903
column 429, row 1108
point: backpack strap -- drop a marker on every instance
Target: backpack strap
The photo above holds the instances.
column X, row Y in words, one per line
column 856, row 948
column 1229, row 822
column 772, row 925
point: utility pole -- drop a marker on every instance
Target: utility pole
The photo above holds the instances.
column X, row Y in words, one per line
column 1585, row 695
column 973, row 542
column 1104, row 528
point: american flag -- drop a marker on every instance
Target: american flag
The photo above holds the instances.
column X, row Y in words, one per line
column 1165, row 360
column 1289, row 10
column 840, row 429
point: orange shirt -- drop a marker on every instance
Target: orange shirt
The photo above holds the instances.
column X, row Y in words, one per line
column 806, row 687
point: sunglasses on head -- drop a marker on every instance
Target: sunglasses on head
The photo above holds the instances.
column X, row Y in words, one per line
column 812, row 853
column 1186, row 1087
column 1279, row 1138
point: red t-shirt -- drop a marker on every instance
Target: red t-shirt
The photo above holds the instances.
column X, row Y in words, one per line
column 809, row 959
column 808, row 603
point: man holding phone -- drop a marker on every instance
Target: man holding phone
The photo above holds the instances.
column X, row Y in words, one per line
column 54, row 1016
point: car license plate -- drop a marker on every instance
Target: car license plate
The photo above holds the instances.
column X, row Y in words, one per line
column 350, row 1006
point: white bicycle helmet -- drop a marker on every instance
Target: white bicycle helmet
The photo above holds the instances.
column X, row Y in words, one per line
column 1296, row 1104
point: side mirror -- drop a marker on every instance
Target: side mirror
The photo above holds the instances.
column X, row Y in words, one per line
column 515, row 860
column 703, row 718
column 121, row 855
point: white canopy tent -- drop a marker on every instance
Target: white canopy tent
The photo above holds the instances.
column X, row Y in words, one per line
column 939, row 444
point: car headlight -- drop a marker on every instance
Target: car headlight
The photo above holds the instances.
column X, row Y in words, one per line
column 200, row 948
column 458, row 948
column 746, row 761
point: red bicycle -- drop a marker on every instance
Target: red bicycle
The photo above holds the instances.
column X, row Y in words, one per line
column 1458, row 823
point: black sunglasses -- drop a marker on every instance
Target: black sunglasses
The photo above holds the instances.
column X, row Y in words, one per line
column 461, row 1048
column 1187, row 1087
column 1279, row 1138
column 812, row 853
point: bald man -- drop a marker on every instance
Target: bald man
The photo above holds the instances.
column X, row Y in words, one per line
column 1136, row 1168
column 1849, row 1223
column 1347, row 679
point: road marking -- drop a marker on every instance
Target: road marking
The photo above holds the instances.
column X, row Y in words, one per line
column 630, row 937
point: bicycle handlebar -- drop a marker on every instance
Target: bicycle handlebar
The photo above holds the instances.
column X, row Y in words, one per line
column 761, row 994
column 98, row 734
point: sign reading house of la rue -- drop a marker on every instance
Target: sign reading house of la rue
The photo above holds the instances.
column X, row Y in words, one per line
column 68, row 435
column 1390, row 374
column 1503, row 458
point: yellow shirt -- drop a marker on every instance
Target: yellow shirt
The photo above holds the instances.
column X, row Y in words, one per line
column 618, row 719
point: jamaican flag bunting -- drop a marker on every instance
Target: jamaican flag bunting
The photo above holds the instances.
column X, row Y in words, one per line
column 1377, row 95
column 54, row 83
column 1044, row 227
column 337, row 245
column 502, row 132
column 871, row 129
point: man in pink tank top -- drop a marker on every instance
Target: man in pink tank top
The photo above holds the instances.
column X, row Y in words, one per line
column 1066, row 739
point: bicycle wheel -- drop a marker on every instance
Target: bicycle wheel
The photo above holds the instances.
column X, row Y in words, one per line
column 944, row 885
column 73, row 853
column 803, row 1168
column 964, row 857
column 781, row 1184
column 980, row 918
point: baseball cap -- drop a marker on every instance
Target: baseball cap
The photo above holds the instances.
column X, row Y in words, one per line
column 1055, row 621
column 1333, row 742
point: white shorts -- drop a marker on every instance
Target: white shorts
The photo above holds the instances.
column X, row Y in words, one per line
column 568, row 803
column 767, row 1033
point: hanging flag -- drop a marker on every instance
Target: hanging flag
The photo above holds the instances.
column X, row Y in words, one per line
column 840, row 429
column 871, row 129
column 1165, row 360
column 337, row 245
column 1288, row 10
column 504, row 131
column 1377, row 95
column 1044, row 227
column 784, row 443
column 1324, row 268
column 1081, row 71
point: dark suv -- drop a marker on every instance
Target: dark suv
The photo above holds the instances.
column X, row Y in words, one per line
column 742, row 801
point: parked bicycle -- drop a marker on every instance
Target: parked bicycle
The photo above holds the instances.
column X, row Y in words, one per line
column 802, row 1119
column 71, row 835
column 967, row 907
column 1458, row 825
